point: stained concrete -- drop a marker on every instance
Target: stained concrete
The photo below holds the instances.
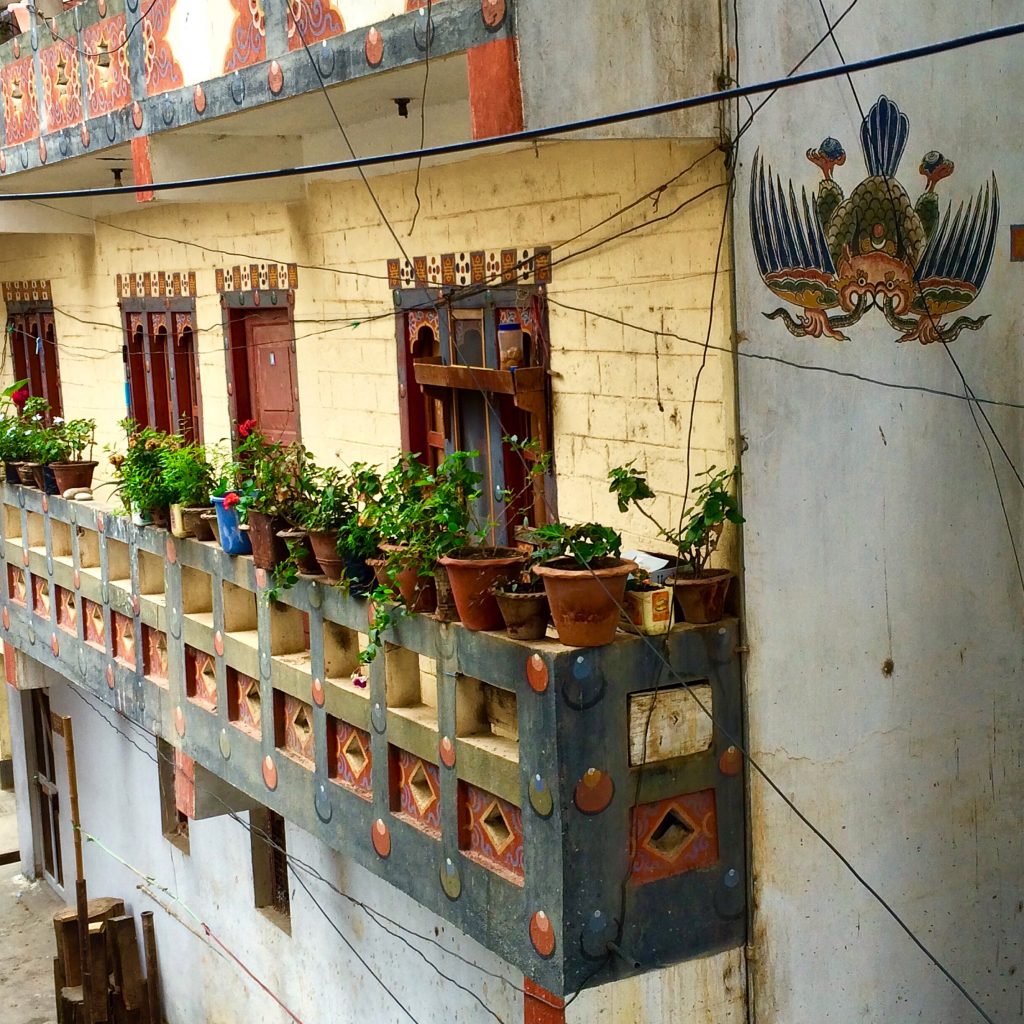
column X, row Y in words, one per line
column 26, row 936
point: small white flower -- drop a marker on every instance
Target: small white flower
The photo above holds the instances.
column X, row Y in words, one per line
column 58, row 419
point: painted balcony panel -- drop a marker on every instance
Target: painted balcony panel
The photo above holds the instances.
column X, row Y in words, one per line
column 496, row 782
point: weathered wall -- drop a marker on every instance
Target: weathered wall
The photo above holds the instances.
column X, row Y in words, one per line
column 607, row 380
column 874, row 531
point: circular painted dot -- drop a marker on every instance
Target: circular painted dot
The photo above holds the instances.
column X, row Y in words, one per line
column 451, row 880
column 55, row 645
column 446, row 749
column 172, row 551
column 542, row 934
column 318, row 693
column 137, row 115
column 581, row 667
column 78, row 580
column 3, row 163
column 218, row 643
column 322, row 804
column 537, row 673
column 493, row 12
column 179, row 721
column 269, row 772
column 99, row 521
column 225, row 744
column 540, row 797
column 594, row 791
column 46, row 503
column 731, row 761
column 381, row 838
column 374, row 47
column 199, row 99
column 84, row 135
column 261, row 577
column 24, row 557
column 7, row 619
column 732, row 878
column 42, row 151
column 275, row 77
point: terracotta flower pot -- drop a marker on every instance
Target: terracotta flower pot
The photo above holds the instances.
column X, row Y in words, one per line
column 526, row 614
column 419, row 593
column 195, row 522
column 73, row 475
column 701, row 599
column 325, row 548
column 44, row 479
column 308, row 564
column 472, row 573
column 160, row 517
column 267, row 548
column 585, row 602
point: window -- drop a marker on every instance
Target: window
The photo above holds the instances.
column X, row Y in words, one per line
column 473, row 374
column 173, row 822
column 161, row 373
column 34, row 351
column 270, row 866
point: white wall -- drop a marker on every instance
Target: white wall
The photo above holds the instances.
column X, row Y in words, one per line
column 874, row 531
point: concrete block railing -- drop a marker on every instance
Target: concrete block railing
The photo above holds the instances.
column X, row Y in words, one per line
column 562, row 806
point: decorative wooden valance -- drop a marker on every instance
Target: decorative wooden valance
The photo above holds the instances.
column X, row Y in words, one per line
column 157, row 284
column 491, row 266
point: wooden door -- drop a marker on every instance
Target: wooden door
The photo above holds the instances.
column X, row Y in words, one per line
column 273, row 381
column 46, row 792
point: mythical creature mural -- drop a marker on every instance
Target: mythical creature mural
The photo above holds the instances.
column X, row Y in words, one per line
column 873, row 248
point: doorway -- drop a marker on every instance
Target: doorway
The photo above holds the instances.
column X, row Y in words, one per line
column 263, row 383
column 44, row 789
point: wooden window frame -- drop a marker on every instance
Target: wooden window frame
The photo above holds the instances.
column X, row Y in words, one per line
column 527, row 389
column 270, row 882
column 44, row 379
column 145, row 313
column 173, row 823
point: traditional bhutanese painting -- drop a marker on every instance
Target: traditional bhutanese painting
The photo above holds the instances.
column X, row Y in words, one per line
column 874, row 249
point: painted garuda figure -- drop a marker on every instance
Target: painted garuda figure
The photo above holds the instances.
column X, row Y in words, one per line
column 873, row 248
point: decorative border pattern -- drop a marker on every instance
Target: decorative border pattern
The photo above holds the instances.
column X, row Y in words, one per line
column 256, row 276
column 21, row 116
column 26, row 291
column 163, row 72
column 63, row 102
column 694, row 846
column 156, row 284
column 107, row 88
column 498, row 266
column 248, row 43
column 312, row 20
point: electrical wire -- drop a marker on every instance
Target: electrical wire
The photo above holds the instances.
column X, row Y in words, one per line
column 423, row 112
column 52, row 25
column 531, row 134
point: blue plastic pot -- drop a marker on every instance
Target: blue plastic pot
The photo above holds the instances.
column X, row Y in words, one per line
column 233, row 539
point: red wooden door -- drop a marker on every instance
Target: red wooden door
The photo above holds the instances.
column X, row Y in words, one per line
column 273, row 382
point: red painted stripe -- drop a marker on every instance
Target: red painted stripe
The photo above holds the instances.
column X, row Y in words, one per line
column 495, row 95
column 540, row 1006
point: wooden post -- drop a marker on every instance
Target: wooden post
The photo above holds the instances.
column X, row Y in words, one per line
column 81, row 893
column 152, row 975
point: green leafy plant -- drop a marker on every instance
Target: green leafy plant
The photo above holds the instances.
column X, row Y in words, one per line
column 65, row 440
column 586, row 543
column 139, row 479
column 188, row 475
column 701, row 524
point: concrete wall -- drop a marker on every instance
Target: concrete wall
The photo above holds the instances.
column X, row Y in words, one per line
column 874, row 531
column 605, row 376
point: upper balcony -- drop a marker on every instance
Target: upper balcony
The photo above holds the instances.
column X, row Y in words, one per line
column 571, row 809
column 146, row 88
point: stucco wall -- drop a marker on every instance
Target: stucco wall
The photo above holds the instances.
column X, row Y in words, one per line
column 874, row 531
column 605, row 376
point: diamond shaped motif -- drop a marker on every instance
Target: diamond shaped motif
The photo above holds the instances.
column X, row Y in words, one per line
column 422, row 788
column 355, row 754
column 670, row 837
column 496, row 828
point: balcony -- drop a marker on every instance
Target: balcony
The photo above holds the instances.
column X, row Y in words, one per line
column 491, row 780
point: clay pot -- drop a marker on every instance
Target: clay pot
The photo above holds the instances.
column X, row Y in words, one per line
column 585, row 602
column 267, row 548
column 526, row 614
column 160, row 517
column 325, row 548
column 197, row 522
column 472, row 573
column 701, row 599
column 446, row 608
column 212, row 522
column 73, row 475
column 419, row 593
column 308, row 564
column 43, row 478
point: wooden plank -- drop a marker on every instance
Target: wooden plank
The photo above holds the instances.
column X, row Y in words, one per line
column 72, row 1005
column 99, row 973
column 675, row 727
column 152, row 971
column 65, row 926
column 466, row 378
column 125, row 962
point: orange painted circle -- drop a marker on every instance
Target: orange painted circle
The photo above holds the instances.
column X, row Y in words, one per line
column 594, row 791
column 269, row 772
column 374, row 47
column 172, row 552
column 137, row 114
column 46, row 503
column 179, row 721
column 85, row 136
column 78, row 580
column 99, row 521
column 731, row 761
column 275, row 77
column 7, row 619
column 24, row 557
column 136, row 604
column 493, row 12
column 55, row 645
column 381, row 838
column 218, row 643
column 42, row 155
column 446, row 749
column 318, row 693
column 542, row 934
column 110, row 679
column 3, row 163
column 537, row 673
column 261, row 577
column 199, row 99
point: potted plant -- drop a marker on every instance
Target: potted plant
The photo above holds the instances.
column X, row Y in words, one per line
column 32, row 433
column 473, row 571
column 68, row 442
column 188, row 476
column 14, row 443
column 523, row 603
column 648, row 606
column 700, row 592
column 585, row 580
column 138, row 474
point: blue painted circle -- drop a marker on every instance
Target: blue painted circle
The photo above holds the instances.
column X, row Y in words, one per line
column 325, row 61
column 237, row 88
column 111, row 126
column 378, row 718
column 581, row 666
column 322, row 804
column 731, row 878
column 167, row 112
column 65, row 145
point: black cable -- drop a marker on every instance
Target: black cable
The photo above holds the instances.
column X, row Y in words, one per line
column 423, row 113
column 531, row 134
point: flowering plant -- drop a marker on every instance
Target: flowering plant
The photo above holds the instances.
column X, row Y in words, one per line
column 231, row 499
column 138, row 472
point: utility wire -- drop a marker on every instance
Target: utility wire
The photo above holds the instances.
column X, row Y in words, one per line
column 98, row 53
column 531, row 134
column 423, row 112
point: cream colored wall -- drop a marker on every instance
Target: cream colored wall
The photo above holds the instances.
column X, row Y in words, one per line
column 604, row 376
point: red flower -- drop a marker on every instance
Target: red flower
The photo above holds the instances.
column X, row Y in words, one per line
column 231, row 500
column 245, row 428
column 20, row 397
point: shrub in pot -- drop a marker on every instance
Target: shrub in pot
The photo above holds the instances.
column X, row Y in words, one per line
column 585, row 580
column 648, row 606
column 138, row 473
column 188, row 477
column 16, row 430
column 700, row 592
column 66, row 444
